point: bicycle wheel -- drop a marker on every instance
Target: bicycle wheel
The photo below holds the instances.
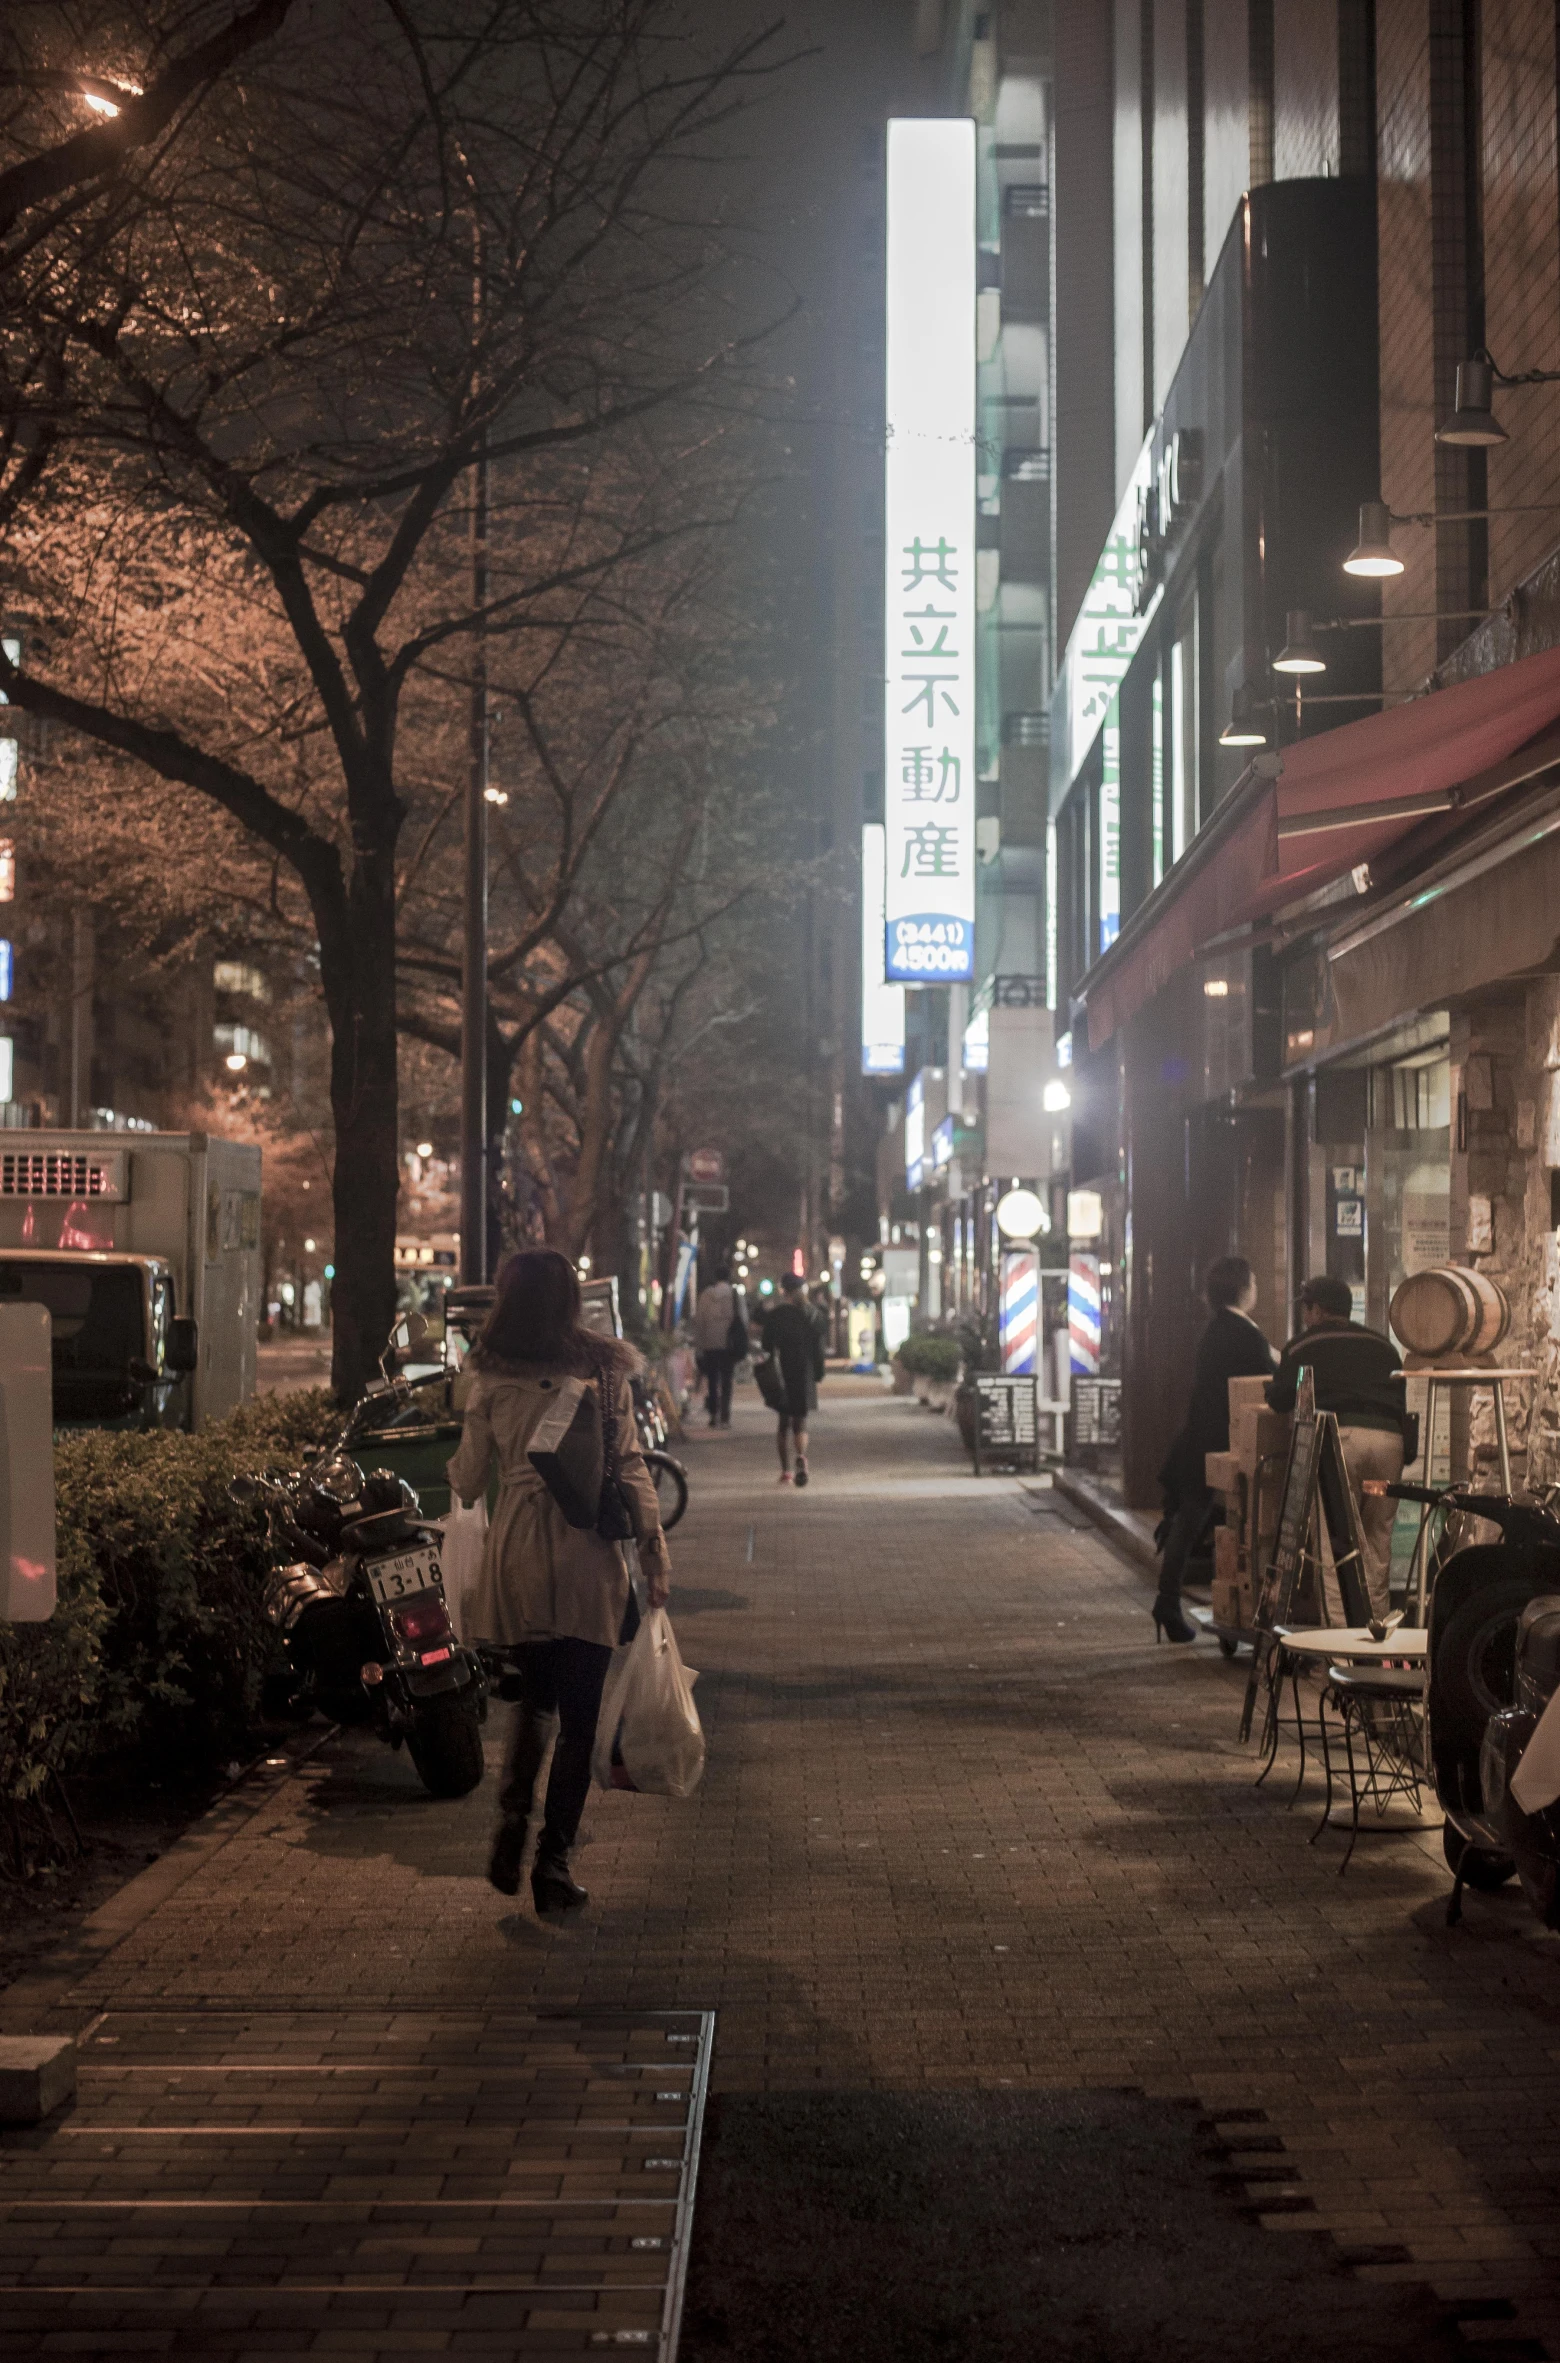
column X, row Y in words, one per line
column 671, row 1487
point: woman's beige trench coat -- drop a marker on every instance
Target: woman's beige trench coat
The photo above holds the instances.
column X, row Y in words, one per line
column 543, row 1579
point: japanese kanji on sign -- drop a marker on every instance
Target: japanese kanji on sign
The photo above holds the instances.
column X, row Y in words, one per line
column 929, row 579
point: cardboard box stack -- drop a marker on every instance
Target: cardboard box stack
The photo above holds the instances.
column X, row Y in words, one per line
column 1256, row 1435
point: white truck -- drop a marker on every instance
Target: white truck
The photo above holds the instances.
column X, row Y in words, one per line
column 145, row 1249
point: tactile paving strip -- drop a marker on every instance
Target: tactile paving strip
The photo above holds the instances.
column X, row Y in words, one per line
column 230, row 2180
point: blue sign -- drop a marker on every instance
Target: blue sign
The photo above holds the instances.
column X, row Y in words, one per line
column 929, row 948
column 7, row 964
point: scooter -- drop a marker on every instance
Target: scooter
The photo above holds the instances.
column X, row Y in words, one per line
column 1494, row 1658
column 357, row 1600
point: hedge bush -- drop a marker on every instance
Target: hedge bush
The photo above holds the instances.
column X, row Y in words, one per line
column 930, row 1356
column 158, row 1639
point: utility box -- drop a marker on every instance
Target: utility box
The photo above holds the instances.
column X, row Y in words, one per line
column 144, row 1248
column 27, row 1592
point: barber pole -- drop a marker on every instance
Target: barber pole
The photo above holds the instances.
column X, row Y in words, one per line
column 1083, row 1313
column 1020, row 1313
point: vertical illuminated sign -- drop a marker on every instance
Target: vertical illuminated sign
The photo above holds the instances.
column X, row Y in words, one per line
column 1110, row 826
column 882, row 1004
column 929, row 551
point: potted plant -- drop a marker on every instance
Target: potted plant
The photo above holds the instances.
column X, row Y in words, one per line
column 932, row 1362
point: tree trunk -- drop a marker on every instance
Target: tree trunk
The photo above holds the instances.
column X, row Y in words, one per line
column 357, row 962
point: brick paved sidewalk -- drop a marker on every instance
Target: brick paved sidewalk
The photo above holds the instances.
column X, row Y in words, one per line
column 963, row 1825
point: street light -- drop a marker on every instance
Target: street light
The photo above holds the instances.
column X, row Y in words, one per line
column 235, row 1062
column 425, row 1148
column 1055, row 1098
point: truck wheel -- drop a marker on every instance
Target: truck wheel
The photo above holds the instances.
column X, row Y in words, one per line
column 1472, row 1865
column 445, row 1744
column 671, row 1487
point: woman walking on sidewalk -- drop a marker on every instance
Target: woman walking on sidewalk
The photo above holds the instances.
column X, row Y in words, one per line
column 793, row 1335
column 550, row 1595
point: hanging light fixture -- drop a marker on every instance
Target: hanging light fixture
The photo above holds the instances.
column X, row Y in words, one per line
column 1372, row 555
column 1473, row 425
column 1243, row 729
column 1299, row 653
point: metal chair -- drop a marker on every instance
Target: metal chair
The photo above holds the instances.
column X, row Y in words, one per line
column 1380, row 1711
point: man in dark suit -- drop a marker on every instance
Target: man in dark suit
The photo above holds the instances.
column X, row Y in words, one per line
column 1358, row 1377
column 1232, row 1346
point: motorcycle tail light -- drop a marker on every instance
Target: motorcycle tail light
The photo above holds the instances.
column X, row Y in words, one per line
column 422, row 1620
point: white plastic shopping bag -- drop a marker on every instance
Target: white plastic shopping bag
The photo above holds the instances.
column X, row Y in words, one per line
column 648, row 1735
column 460, row 1557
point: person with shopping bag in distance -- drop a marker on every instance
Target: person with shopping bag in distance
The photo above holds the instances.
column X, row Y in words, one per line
column 553, row 1591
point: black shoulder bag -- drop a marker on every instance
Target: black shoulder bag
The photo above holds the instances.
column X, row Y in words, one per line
column 613, row 1522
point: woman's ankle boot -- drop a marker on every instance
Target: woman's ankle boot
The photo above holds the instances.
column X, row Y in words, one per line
column 1169, row 1622
column 552, row 1888
column 508, row 1855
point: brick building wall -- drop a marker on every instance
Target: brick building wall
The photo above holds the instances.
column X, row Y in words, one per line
column 1521, row 276
column 1407, row 372
column 1506, row 1084
column 1305, row 89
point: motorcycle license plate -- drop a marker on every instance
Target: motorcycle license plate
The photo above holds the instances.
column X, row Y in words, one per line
column 398, row 1578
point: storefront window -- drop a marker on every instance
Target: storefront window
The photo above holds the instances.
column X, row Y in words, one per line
column 1183, row 737
column 1408, row 1150
column 1156, row 772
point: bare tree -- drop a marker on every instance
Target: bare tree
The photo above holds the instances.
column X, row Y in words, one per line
column 246, row 387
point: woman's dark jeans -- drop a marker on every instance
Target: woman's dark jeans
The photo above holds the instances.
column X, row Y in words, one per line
column 561, row 1691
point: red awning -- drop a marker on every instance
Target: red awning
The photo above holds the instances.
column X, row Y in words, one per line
column 1342, row 798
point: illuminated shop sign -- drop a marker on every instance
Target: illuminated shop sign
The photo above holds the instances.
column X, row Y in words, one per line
column 882, row 1004
column 929, row 550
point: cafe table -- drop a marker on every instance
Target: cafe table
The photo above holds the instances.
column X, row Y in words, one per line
column 1377, row 1688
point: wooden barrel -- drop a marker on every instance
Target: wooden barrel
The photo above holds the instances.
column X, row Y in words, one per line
column 1448, row 1310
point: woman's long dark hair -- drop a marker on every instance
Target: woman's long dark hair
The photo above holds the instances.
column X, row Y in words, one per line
column 536, row 1318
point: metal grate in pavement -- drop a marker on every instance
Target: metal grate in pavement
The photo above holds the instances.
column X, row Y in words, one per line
column 230, row 2179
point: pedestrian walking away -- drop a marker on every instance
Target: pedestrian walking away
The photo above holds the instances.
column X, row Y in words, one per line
column 793, row 1336
column 721, row 1341
column 1232, row 1346
column 1358, row 1377
column 551, row 1597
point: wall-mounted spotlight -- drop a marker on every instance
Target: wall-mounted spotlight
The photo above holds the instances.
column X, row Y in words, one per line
column 1245, row 727
column 1473, row 425
column 1373, row 555
column 1299, row 654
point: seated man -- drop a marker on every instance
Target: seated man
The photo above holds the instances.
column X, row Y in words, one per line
column 1356, row 1375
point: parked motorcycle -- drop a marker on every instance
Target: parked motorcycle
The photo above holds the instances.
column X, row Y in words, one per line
column 357, row 1600
column 1494, row 1660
